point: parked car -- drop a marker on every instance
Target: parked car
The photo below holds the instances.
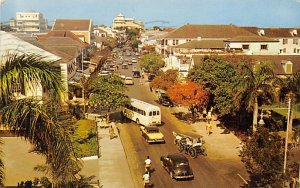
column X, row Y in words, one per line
column 104, row 73
column 152, row 134
column 124, row 66
column 177, row 166
column 128, row 81
column 165, row 100
column 136, row 74
column 151, row 77
column 133, row 60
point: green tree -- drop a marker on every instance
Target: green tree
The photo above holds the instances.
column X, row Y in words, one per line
column 217, row 76
column 165, row 80
column 252, row 82
column 151, row 62
column 263, row 157
column 29, row 117
column 107, row 92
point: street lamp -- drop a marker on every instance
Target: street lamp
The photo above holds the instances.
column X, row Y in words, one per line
column 286, row 136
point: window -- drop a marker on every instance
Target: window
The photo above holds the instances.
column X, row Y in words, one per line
column 150, row 113
column 264, row 47
column 154, row 113
column 295, row 41
column 157, row 112
column 284, row 41
column 284, row 50
column 298, row 51
column 166, row 42
column 295, row 50
column 188, row 40
column 245, row 46
column 174, row 42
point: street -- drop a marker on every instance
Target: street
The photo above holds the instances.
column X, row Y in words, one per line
column 213, row 170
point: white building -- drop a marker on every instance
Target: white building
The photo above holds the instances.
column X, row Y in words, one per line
column 289, row 38
column 121, row 22
column 29, row 22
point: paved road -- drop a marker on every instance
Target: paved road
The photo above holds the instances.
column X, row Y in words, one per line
column 211, row 171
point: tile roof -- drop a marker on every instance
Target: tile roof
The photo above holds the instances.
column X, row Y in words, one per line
column 203, row 44
column 12, row 44
column 276, row 60
column 72, row 24
column 251, row 39
column 62, row 34
column 274, row 32
column 208, row 31
column 65, row 58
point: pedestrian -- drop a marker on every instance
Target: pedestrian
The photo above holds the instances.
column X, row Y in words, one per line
column 111, row 132
column 141, row 81
column 209, row 128
column 147, row 164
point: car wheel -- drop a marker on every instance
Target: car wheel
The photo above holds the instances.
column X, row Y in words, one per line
column 138, row 121
column 171, row 174
column 180, row 147
column 193, row 152
column 162, row 164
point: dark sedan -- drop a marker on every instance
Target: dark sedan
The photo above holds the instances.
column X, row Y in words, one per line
column 165, row 100
column 177, row 165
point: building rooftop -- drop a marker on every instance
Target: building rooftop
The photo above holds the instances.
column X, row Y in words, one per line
column 12, row 44
column 208, row 31
column 72, row 24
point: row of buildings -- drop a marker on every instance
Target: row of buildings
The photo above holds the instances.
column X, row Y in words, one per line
column 184, row 46
column 34, row 22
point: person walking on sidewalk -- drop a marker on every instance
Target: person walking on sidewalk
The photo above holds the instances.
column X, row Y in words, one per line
column 111, row 132
column 209, row 128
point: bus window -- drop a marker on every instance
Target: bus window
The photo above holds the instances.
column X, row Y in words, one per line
column 154, row 113
column 157, row 112
column 150, row 113
column 144, row 113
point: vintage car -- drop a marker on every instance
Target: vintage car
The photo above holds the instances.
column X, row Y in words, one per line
column 177, row 166
column 152, row 134
column 128, row 81
column 165, row 100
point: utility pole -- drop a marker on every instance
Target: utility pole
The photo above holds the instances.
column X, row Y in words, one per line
column 286, row 136
column 82, row 86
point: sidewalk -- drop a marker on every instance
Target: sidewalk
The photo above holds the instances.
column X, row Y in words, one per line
column 113, row 167
column 219, row 146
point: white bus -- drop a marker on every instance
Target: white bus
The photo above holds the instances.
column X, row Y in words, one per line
column 142, row 113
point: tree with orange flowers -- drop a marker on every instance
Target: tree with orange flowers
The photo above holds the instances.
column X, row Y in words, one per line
column 188, row 94
column 165, row 80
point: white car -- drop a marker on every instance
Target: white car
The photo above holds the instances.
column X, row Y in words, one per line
column 104, row 73
column 133, row 60
column 128, row 81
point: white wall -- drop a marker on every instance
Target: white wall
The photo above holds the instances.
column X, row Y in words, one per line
column 255, row 47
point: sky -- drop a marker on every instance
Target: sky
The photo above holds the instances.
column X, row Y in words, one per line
column 164, row 13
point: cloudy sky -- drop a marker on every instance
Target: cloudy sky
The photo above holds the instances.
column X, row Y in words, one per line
column 165, row 13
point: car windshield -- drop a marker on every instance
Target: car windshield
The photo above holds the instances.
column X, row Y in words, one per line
column 152, row 131
column 181, row 164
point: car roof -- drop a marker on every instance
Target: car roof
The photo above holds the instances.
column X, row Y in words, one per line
column 150, row 128
column 177, row 158
column 128, row 78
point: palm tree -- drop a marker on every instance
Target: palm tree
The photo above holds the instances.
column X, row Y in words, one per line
column 291, row 88
column 254, row 81
column 30, row 118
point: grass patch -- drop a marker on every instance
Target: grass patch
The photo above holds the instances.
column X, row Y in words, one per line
column 85, row 138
